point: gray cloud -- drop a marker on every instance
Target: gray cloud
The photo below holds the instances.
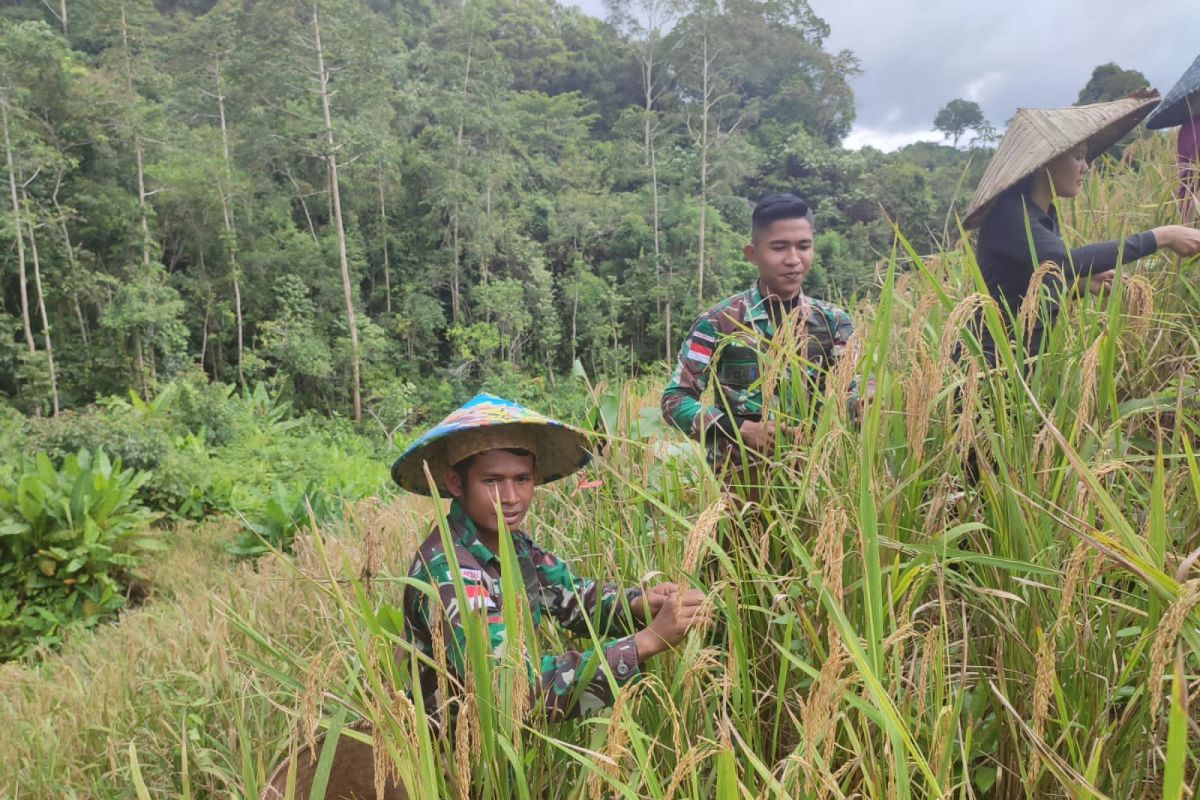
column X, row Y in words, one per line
column 918, row 54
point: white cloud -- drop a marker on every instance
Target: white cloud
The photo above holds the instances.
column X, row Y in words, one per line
column 886, row 140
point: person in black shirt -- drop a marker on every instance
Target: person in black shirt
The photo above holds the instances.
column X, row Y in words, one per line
column 1018, row 220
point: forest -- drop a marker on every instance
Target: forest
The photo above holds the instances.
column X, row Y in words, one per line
column 371, row 207
column 249, row 249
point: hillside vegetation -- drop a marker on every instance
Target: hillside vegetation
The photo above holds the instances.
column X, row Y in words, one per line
column 985, row 589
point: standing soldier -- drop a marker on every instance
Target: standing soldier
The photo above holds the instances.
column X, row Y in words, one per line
column 729, row 340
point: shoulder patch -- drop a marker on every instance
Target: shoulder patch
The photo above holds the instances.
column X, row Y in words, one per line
column 699, row 351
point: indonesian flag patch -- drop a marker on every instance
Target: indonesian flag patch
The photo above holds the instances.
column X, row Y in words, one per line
column 478, row 598
column 698, row 351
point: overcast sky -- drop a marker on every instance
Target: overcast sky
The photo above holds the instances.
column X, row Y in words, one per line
column 918, row 54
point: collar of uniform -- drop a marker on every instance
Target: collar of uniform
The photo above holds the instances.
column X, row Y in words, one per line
column 464, row 532
column 756, row 304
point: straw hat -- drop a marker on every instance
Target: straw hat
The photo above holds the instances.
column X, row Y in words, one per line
column 1036, row 136
column 1181, row 103
column 487, row 422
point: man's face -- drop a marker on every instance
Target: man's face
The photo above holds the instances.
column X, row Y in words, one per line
column 495, row 475
column 783, row 253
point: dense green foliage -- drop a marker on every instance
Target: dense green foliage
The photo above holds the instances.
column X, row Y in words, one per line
column 987, row 589
column 520, row 186
column 68, row 538
column 71, row 526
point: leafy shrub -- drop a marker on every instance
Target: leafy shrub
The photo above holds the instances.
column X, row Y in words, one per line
column 68, row 540
column 129, row 438
column 285, row 512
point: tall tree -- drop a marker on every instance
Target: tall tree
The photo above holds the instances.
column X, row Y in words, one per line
column 957, row 117
column 1110, row 82
column 18, row 228
column 642, row 23
column 331, row 150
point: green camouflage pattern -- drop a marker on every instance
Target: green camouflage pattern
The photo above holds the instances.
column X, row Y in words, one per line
column 725, row 344
column 552, row 591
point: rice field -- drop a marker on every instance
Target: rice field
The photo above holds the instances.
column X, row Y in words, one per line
column 985, row 588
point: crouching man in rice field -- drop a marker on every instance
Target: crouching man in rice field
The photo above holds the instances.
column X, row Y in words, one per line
column 489, row 455
column 730, row 343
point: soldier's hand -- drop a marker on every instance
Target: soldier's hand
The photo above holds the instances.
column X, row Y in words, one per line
column 758, row 435
column 652, row 600
column 681, row 612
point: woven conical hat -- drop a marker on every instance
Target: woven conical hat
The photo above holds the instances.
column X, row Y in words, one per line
column 487, row 422
column 1179, row 104
column 1036, row 136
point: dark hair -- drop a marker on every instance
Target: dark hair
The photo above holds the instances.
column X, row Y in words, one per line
column 775, row 207
column 463, row 467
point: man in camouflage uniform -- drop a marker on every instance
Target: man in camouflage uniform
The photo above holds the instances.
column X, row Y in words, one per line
column 493, row 471
column 489, row 455
column 728, row 341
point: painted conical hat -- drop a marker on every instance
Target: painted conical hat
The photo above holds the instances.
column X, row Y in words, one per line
column 486, row 422
column 1179, row 104
column 1036, row 136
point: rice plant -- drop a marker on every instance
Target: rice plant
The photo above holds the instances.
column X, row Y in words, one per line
column 985, row 586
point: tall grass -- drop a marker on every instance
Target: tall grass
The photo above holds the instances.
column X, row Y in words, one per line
column 985, row 588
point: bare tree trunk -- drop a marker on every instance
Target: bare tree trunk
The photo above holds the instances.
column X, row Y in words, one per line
column 383, row 233
column 41, row 299
column 343, row 259
column 60, row 14
column 61, row 222
column 652, row 162
column 204, row 338
column 20, row 236
column 83, row 328
column 574, row 316
column 141, row 187
column 141, row 361
column 137, row 143
column 312, row 229
column 704, row 94
column 230, row 226
column 455, row 278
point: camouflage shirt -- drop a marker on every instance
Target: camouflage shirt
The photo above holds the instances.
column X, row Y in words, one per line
column 725, row 343
column 552, row 590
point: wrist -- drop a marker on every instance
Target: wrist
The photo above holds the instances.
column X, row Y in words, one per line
column 637, row 607
column 1162, row 236
column 648, row 644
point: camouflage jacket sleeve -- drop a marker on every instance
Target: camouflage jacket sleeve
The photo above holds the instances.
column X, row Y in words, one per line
column 577, row 602
column 569, row 685
column 681, row 404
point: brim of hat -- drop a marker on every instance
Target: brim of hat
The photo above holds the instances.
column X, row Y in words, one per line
column 1001, row 175
column 560, row 450
column 1180, row 103
column 1177, row 113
